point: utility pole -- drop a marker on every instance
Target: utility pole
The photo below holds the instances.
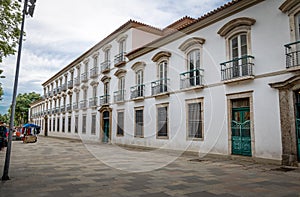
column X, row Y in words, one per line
column 27, row 9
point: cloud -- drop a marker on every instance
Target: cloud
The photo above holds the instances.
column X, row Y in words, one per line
column 60, row 31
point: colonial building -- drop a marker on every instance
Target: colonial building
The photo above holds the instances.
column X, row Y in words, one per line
column 226, row 83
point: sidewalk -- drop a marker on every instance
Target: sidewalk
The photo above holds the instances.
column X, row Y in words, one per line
column 62, row 167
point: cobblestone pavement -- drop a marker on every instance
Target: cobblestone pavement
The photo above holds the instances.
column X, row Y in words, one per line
column 61, row 167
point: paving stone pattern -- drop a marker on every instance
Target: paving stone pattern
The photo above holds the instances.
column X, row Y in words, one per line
column 61, row 167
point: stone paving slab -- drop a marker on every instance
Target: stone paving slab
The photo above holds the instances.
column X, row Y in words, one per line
column 62, row 167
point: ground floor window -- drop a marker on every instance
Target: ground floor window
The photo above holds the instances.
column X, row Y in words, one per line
column 63, row 124
column 69, row 124
column 162, row 120
column 76, row 124
column 83, row 124
column 139, row 122
column 93, row 130
column 194, row 119
column 53, row 124
column 120, row 126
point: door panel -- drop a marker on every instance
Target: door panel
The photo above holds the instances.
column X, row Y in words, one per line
column 240, row 128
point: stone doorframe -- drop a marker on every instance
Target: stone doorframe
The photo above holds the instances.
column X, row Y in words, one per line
column 102, row 110
column 287, row 118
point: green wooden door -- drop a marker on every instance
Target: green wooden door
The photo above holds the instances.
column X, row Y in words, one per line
column 240, row 128
column 298, row 128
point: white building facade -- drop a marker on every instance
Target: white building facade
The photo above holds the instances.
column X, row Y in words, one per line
column 226, row 83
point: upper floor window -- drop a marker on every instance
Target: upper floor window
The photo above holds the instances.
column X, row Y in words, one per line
column 292, row 49
column 237, row 33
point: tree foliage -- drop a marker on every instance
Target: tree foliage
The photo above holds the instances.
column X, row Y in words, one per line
column 10, row 20
column 23, row 102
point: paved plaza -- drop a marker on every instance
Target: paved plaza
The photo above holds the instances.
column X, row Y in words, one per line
column 65, row 167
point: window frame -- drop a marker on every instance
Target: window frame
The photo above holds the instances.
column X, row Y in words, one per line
column 120, row 134
column 93, row 123
column 158, row 106
column 187, row 103
column 135, row 123
column 83, row 128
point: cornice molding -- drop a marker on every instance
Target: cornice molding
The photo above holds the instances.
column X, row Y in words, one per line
column 161, row 54
column 105, row 79
column 190, row 42
column 120, row 72
column 288, row 5
column 237, row 22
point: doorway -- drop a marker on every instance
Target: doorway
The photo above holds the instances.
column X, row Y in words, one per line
column 106, row 128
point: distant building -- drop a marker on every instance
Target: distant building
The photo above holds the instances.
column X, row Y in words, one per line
column 226, row 83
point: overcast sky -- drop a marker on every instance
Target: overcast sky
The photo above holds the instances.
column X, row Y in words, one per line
column 61, row 30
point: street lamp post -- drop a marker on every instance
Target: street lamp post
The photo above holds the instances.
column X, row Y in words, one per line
column 27, row 9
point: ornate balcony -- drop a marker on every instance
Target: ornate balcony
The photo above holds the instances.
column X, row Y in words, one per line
column 69, row 107
column 137, row 91
column 84, row 77
column 160, row 86
column 64, row 87
column 77, row 81
column 104, row 100
column 292, row 54
column 63, row 109
column 94, row 72
column 120, row 59
column 105, row 66
column 192, row 78
column 237, row 69
column 75, row 106
column 119, row 96
column 93, row 102
column 70, row 84
column 83, row 104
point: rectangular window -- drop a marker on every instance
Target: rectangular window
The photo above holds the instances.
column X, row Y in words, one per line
column 139, row 122
column 162, row 121
column 93, row 131
column 120, row 126
column 83, row 124
column 57, row 127
column 63, row 125
column 194, row 121
column 76, row 124
column 53, row 124
column 69, row 124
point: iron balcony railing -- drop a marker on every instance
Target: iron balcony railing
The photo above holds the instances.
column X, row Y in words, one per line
column 63, row 108
column 77, row 81
column 64, row 87
column 58, row 89
column 57, row 110
column 292, row 54
column 160, row 86
column 137, row 91
column 70, row 84
column 238, row 67
column 94, row 72
column 191, row 78
column 104, row 100
column 105, row 66
column 69, row 107
column 119, row 96
column 93, row 102
column 75, row 106
column 120, row 58
column 84, row 77
column 83, row 104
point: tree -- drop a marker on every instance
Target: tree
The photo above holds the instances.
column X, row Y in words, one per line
column 10, row 20
column 23, row 102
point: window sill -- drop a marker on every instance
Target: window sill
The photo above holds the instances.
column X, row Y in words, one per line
column 105, row 71
column 293, row 69
column 244, row 78
column 119, row 135
column 137, row 99
column 120, row 64
column 161, row 95
column 195, row 139
column 162, row 137
column 198, row 87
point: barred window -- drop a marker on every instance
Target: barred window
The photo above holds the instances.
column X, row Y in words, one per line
column 194, row 120
column 93, row 131
column 139, row 122
column 120, row 127
column 162, row 121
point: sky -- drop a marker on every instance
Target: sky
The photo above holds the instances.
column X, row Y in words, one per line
column 62, row 30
